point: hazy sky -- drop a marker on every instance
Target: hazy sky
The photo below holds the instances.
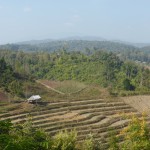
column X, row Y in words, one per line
column 127, row 20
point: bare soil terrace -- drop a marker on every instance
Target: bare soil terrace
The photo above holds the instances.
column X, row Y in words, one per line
column 140, row 103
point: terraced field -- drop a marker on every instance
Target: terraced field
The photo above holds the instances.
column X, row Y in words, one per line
column 89, row 117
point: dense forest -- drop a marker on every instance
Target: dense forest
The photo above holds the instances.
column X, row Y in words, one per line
column 124, row 51
column 10, row 81
column 103, row 68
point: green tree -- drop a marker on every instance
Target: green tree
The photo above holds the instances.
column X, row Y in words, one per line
column 23, row 137
column 15, row 87
column 127, row 85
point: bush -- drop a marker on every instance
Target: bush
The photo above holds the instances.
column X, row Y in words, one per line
column 22, row 137
column 65, row 140
column 136, row 135
column 90, row 144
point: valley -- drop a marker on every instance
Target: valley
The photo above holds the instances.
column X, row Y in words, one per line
column 86, row 97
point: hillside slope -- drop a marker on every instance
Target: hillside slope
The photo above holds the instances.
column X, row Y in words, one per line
column 71, row 45
column 88, row 116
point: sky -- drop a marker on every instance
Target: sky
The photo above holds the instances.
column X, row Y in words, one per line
column 23, row 20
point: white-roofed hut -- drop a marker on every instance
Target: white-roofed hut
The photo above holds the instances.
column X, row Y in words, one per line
column 34, row 99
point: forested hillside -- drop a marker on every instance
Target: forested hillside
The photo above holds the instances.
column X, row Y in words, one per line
column 124, row 51
column 9, row 80
column 71, row 45
column 101, row 68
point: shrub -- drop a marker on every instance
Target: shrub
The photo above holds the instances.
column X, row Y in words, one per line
column 136, row 135
column 91, row 144
column 65, row 140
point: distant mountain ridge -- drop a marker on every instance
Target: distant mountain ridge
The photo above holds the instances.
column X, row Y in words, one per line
column 139, row 45
column 78, row 38
column 124, row 49
column 72, row 38
column 83, row 38
column 69, row 45
column 34, row 42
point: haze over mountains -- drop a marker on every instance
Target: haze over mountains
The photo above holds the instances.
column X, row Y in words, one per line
column 84, row 38
column 79, row 38
column 76, row 43
column 71, row 38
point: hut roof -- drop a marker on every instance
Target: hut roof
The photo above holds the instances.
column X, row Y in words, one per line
column 34, row 97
